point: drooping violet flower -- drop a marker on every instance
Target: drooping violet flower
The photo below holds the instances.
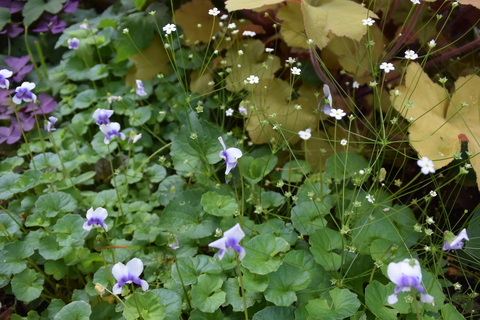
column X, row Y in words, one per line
column 51, row 23
column 4, row 74
column 19, row 66
column 140, row 88
column 129, row 273
column 230, row 155
column 133, row 137
column 406, row 275
column 328, row 100
column 454, row 243
column 24, row 93
column 231, row 240
column 50, row 124
column 102, row 116
column 96, row 218
column 111, row 130
column 73, row 43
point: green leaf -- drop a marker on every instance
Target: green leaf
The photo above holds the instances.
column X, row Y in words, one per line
column 51, row 250
column 327, row 247
column 255, row 169
column 277, row 313
column 7, row 185
column 28, row 180
column 99, row 145
column 8, row 224
column 10, row 163
column 344, row 165
column 271, row 199
column 140, row 116
column 199, row 315
column 85, row 99
column 149, row 303
column 189, row 59
column 262, row 253
column 69, row 230
column 218, row 205
column 33, row 9
column 76, row 69
column 155, row 173
column 139, row 4
column 97, row 72
column 76, row 310
column 57, row 269
column 141, row 28
column 45, row 161
column 308, row 216
column 4, row 17
column 192, row 268
column 295, row 171
column 206, row 293
column 376, row 296
column 12, row 257
column 342, row 305
column 234, row 298
column 56, row 202
column 451, row 313
column 172, row 302
column 27, row 285
column 254, row 282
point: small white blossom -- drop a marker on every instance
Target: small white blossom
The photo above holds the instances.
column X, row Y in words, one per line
column 249, row 34
column 240, row 52
column 231, row 26
column 290, row 60
column 305, row 135
column 370, row 198
column 169, row 28
column 415, row 1
column 343, row 142
column 355, row 85
column 243, row 110
column 310, row 41
column 368, row 22
column 223, row 17
column 433, row 193
column 214, row 12
column 229, row 112
column 432, row 43
column 387, row 67
column 426, row 165
column 410, row 54
column 295, row 71
column 268, row 50
column 337, row 113
column 252, row 79
column 235, row 31
column 430, row 220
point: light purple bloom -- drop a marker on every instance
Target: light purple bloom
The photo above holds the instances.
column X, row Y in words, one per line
column 24, row 93
column 454, row 243
column 111, row 130
column 328, row 100
column 49, row 124
column 230, row 155
column 96, row 218
column 102, row 116
column 4, row 74
column 73, row 43
column 243, row 110
column 129, row 273
column 140, row 88
column 406, row 275
column 231, row 240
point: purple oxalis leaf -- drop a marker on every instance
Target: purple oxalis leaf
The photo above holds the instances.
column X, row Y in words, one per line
column 10, row 134
column 19, row 66
column 47, row 104
column 13, row 6
column 70, row 6
column 52, row 24
column 12, row 30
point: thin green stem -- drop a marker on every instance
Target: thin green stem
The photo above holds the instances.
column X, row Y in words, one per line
column 240, row 281
column 30, row 54
column 136, row 302
column 181, row 280
column 115, row 183
column 42, row 59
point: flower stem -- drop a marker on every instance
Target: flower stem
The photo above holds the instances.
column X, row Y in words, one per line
column 42, row 59
column 136, row 302
column 27, row 46
column 240, row 281
column 181, row 280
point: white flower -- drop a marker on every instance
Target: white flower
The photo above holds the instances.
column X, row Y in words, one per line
column 432, row 43
column 370, row 198
column 305, row 135
column 269, row 49
column 249, row 34
column 231, row 26
column 234, row 32
column 426, row 165
column 4, row 74
column 214, row 12
column 252, row 79
column 415, row 1
column 310, row 41
column 406, row 275
column 96, row 218
column 111, row 130
column 387, row 67
column 169, row 28
column 430, row 220
column 454, row 243
column 343, row 142
column 243, row 110
column 433, row 193
column 410, row 54
column 290, row 60
column 102, row 116
column 355, row 85
column 229, row 112
column 337, row 113
column 24, row 93
column 295, row 71
column 223, row 17
column 231, row 240
column 230, row 155
column 129, row 273
column 368, row 22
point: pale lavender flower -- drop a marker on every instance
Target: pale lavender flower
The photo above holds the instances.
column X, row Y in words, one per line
column 328, row 100
column 230, row 155
column 96, row 218
column 111, row 130
column 140, row 88
column 4, row 74
column 406, row 275
column 231, row 240
column 134, row 137
column 24, row 93
column 102, row 116
column 73, row 43
column 129, row 273
column 49, row 124
column 454, row 243
column 243, row 110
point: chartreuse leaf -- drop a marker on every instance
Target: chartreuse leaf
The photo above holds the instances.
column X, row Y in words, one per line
column 192, row 268
column 218, row 205
column 233, row 5
column 54, row 203
column 234, row 298
column 206, row 293
column 308, row 216
column 190, row 15
column 150, row 305
column 76, row 69
column 344, row 165
column 12, row 257
column 341, row 304
column 376, row 296
column 76, row 310
column 27, row 285
column 293, row 28
column 262, row 253
column 327, row 248
column 277, row 313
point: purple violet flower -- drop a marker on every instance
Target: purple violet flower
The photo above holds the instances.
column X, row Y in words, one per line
column 454, row 243
column 129, row 273
column 73, row 43
column 327, row 100
column 102, row 116
column 96, row 218
column 230, row 155
column 111, row 130
column 4, row 74
column 50, row 124
column 140, row 88
column 231, row 240
column 406, row 275
column 24, row 93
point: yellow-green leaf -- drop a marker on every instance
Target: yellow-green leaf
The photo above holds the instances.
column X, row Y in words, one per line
column 293, row 29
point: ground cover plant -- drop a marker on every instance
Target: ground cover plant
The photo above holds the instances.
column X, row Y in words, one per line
column 200, row 159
